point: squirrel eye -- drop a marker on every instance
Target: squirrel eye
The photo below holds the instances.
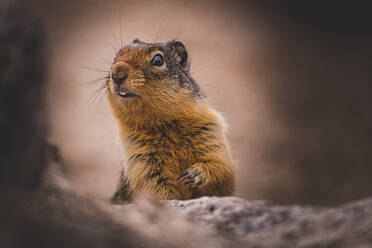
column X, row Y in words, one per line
column 157, row 60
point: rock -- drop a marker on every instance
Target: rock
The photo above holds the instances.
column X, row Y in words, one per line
column 263, row 224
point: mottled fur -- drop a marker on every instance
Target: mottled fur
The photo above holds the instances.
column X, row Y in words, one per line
column 173, row 140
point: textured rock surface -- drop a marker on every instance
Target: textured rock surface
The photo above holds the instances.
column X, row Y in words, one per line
column 262, row 224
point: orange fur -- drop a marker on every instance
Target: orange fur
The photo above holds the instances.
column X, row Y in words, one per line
column 166, row 132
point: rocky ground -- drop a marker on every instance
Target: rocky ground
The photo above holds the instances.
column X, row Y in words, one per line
column 235, row 222
column 263, row 224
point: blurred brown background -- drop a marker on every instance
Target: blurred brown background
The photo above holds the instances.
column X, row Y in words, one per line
column 291, row 78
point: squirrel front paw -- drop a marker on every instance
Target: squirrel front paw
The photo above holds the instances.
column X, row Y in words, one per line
column 195, row 175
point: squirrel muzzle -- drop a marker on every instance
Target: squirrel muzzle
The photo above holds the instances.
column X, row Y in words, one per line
column 119, row 78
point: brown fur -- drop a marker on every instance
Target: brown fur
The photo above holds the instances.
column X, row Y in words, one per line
column 165, row 133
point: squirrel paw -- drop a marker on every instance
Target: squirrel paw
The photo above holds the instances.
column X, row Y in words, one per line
column 195, row 175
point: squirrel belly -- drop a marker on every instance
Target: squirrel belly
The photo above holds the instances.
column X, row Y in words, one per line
column 174, row 142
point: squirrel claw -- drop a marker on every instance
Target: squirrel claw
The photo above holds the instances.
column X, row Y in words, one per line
column 190, row 181
column 182, row 177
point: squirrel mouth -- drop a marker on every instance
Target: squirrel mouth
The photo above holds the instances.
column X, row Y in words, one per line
column 125, row 94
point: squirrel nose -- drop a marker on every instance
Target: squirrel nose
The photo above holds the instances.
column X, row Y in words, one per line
column 119, row 73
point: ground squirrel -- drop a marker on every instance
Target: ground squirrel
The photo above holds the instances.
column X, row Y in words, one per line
column 174, row 142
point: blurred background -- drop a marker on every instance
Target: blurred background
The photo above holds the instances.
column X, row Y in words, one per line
column 291, row 78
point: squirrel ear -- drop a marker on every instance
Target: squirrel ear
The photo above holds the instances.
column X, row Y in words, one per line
column 181, row 52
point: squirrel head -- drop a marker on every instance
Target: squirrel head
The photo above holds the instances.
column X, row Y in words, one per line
column 151, row 74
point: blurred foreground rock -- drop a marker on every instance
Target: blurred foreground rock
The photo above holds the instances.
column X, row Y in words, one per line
column 262, row 224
